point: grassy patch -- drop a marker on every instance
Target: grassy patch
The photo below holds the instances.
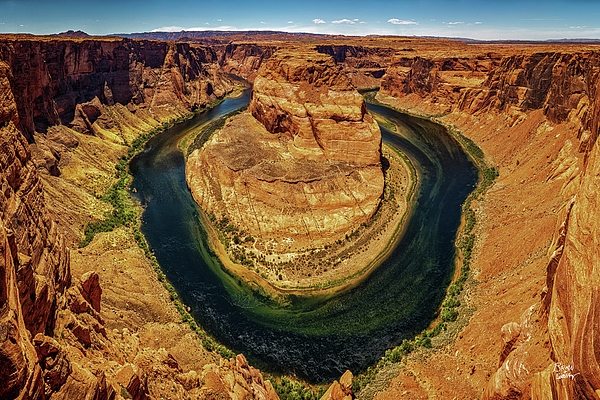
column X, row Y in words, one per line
column 125, row 210
column 383, row 121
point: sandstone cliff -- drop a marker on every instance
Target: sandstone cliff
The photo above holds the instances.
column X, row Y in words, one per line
column 363, row 63
column 53, row 80
column 302, row 166
column 68, row 109
column 244, row 59
column 544, row 101
column 34, row 262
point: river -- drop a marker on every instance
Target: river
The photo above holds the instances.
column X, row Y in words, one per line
column 315, row 338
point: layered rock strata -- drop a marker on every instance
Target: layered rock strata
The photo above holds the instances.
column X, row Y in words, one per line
column 54, row 80
column 68, row 109
column 34, row 260
column 545, row 101
column 302, row 165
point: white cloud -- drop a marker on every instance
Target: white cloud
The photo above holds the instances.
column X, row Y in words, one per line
column 578, row 27
column 318, row 21
column 478, row 23
column 290, row 22
column 219, row 20
column 197, row 28
column 396, row 21
column 169, row 29
column 344, row 21
column 456, row 23
column 263, row 22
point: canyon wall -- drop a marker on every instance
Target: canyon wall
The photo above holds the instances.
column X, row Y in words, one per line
column 364, row 64
column 68, row 110
column 34, row 262
column 536, row 117
column 53, row 80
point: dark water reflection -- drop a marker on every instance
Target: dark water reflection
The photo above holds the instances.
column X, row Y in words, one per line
column 317, row 339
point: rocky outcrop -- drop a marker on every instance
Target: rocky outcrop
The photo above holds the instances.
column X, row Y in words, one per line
column 439, row 78
column 307, row 97
column 244, row 59
column 34, row 260
column 53, row 93
column 574, row 319
column 236, row 380
column 550, row 352
column 564, row 86
column 364, row 65
column 341, row 390
column 302, row 165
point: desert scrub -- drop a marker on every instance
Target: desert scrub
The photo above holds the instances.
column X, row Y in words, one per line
column 125, row 210
column 288, row 389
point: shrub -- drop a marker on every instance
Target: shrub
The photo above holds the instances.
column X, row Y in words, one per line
column 449, row 315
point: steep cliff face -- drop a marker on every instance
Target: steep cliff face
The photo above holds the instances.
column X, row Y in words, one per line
column 564, row 86
column 574, row 318
column 307, row 97
column 69, row 108
column 551, row 351
column 364, row 65
column 34, row 261
column 442, row 80
column 302, row 165
column 53, row 80
column 244, row 59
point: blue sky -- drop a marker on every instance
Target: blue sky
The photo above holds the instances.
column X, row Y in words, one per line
column 509, row 19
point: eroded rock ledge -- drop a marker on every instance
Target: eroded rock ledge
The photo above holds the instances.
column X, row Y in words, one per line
column 301, row 168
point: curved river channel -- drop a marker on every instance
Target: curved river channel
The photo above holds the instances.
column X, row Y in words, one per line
column 315, row 338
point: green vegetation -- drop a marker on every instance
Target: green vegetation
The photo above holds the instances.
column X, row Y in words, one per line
column 386, row 123
column 125, row 210
column 125, row 393
column 288, row 389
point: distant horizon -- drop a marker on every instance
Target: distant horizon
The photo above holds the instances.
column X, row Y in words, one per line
column 268, row 31
column 493, row 20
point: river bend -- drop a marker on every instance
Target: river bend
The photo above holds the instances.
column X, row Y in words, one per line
column 317, row 339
